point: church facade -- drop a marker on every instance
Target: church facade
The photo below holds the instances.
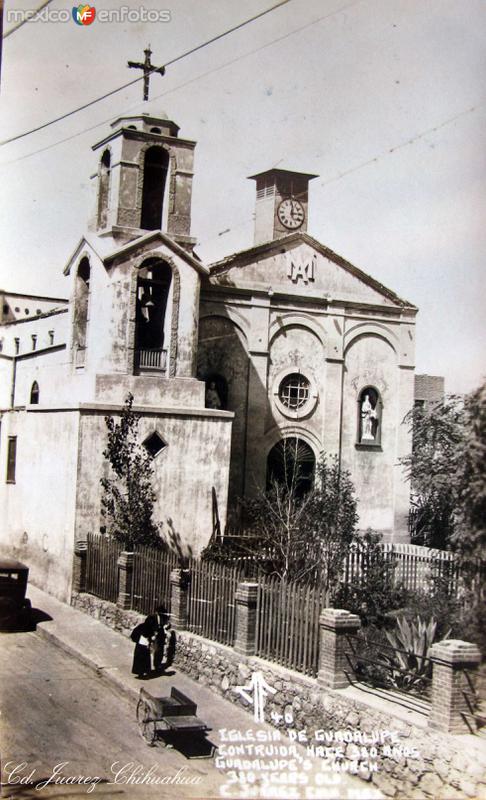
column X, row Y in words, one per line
column 283, row 344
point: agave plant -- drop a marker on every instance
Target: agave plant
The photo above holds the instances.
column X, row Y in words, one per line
column 409, row 666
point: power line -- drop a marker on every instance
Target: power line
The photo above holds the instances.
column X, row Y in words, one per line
column 402, row 145
column 136, row 80
column 363, row 164
column 186, row 83
column 30, row 18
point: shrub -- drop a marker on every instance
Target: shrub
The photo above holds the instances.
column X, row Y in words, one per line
column 398, row 659
column 409, row 664
column 374, row 593
column 460, row 612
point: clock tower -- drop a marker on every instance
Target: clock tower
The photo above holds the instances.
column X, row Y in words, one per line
column 282, row 201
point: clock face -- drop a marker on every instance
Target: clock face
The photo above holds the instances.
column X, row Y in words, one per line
column 291, row 213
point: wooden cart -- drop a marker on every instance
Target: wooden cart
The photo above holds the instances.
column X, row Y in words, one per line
column 176, row 713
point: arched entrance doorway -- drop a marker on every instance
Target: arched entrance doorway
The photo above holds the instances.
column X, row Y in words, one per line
column 291, row 462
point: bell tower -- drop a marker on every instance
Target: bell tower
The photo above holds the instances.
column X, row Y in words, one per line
column 282, row 200
column 144, row 180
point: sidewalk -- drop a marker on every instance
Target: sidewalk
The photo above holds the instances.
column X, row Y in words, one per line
column 110, row 654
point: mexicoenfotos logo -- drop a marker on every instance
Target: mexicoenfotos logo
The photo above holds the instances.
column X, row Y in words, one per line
column 84, row 15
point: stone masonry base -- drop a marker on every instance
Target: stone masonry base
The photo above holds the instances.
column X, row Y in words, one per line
column 447, row 767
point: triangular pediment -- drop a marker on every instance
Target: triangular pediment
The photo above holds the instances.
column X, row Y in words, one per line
column 85, row 247
column 149, row 242
column 301, row 266
column 110, row 252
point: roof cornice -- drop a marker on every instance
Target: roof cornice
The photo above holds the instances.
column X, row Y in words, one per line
column 256, row 252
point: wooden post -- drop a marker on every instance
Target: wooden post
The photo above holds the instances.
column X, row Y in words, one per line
column 449, row 711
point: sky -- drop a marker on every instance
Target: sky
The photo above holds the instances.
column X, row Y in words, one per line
column 385, row 100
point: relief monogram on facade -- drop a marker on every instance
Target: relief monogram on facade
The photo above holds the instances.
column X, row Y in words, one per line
column 302, row 269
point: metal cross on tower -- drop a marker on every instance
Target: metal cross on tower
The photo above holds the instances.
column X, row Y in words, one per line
column 148, row 70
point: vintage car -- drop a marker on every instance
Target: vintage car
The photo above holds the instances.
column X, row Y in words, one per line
column 14, row 607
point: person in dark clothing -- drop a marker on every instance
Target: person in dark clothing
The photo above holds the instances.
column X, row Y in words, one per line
column 142, row 635
column 160, row 621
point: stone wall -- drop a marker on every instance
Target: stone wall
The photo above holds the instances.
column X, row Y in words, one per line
column 425, row 765
column 111, row 615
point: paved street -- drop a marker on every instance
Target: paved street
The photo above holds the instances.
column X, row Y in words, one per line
column 55, row 710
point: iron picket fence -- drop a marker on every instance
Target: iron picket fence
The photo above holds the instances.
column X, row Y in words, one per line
column 288, row 624
column 211, row 600
column 102, row 566
column 151, row 578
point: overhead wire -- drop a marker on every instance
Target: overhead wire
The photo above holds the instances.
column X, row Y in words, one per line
column 140, row 78
column 186, row 83
column 332, row 179
column 30, row 18
column 361, row 165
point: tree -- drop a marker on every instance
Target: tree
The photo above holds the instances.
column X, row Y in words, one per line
column 469, row 536
column 128, row 499
column 433, row 467
column 301, row 532
column 447, row 468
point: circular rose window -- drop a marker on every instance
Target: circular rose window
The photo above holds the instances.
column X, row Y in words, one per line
column 293, row 391
column 295, row 394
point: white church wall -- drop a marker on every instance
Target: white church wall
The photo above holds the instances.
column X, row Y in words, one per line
column 223, row 351
column 406, row 379
column 50, row 330
column 6, row 378
column 37, row 521
column 371, row 361
column 48, row 370
column 151, row 390
column 185, row 471
column 99, row 313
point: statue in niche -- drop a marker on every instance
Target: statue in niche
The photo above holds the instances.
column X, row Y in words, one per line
column 369, row 420
column 213, row 399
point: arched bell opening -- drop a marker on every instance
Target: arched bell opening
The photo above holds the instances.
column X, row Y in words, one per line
column 153, row 317
column 81, row 311
column 155, row 169
column 104, row 189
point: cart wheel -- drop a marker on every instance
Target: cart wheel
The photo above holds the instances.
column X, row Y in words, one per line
column 146, row 726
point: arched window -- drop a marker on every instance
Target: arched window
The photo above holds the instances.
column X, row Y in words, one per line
column 152, row 322
column 34, row 393
column 291, row 462
column 216, row 392
column 369, row 416
column 104, row 189
column 155, row 167
column 81, row 304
